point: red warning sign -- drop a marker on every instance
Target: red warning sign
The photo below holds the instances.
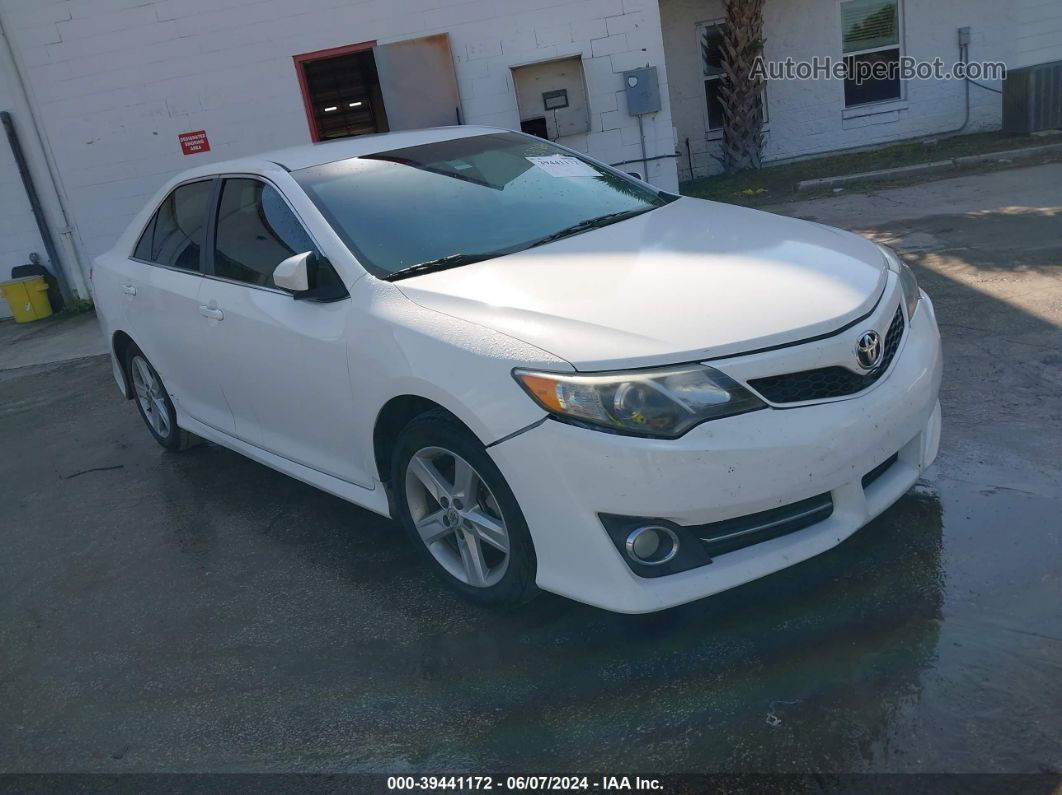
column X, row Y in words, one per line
column 192, row 143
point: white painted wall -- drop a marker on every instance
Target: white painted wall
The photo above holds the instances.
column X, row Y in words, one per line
column 116, row 80
column 809, row 117
column 1039, row 32
column 679, row 20
column 18, row 230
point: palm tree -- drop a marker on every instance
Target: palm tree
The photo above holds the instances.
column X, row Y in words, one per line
column 741, row 92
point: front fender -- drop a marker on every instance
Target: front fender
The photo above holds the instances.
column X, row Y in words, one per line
column 461, row 366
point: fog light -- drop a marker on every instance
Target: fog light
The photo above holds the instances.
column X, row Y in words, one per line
column 652, row 545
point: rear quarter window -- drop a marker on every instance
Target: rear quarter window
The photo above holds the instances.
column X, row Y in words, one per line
column 143, row 247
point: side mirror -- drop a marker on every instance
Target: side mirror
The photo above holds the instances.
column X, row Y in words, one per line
column 294, row 273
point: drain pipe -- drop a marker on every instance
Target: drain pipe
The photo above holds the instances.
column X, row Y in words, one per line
column 35, row 205
column 645, row 160
column 37, row 157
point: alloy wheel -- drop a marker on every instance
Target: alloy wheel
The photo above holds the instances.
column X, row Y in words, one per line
column 149, row 394
column 457, row 516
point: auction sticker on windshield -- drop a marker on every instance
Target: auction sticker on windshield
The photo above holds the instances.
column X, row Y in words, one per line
column 561, row 166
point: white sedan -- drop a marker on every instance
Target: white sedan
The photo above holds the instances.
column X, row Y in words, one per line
column 551, row 374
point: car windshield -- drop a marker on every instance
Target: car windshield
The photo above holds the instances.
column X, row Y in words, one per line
column 445, row 204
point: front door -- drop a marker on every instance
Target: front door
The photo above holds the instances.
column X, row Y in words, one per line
column 282, row 362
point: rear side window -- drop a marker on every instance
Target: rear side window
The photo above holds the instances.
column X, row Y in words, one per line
column 174, row 236
column 143, row 248
column 256, row 232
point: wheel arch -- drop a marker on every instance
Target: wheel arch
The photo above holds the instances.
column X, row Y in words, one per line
column 120, row 345
column 392, row 417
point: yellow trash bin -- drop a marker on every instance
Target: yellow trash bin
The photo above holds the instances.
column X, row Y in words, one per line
column 28, row 298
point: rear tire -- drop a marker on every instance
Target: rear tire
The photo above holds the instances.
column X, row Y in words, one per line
column 154, row 403
column 460, row 513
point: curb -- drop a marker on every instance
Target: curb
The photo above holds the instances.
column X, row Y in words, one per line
column 929, row 168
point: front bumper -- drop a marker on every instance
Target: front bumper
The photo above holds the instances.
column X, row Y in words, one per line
column 565, row 476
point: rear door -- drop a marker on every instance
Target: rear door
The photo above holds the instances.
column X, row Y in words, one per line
column 161, row 294
column 418, row 83
column 282, row 362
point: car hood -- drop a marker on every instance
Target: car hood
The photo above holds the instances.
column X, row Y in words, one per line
column 691, row 280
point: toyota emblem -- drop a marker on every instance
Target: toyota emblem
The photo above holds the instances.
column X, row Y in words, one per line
column 869, row 350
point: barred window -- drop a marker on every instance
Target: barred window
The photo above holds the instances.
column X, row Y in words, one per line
column 710, row 35
column 870, row 31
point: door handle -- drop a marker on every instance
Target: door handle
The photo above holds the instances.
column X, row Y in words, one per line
column 211, row 312
column 128, row 289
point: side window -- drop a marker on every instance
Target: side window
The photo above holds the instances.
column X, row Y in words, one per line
column 711, row 35
column 256, row 232
column 177, row 229
column 143, row 248
column 872, row 50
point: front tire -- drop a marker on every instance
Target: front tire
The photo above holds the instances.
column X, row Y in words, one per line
column 458, row 510
column 154, row 404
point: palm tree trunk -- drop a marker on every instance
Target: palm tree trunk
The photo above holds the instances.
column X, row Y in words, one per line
column 741, row 93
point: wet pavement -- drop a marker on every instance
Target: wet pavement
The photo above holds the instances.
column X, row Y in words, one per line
column 198, row 611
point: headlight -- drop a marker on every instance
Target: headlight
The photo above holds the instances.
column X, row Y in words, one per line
column 908, row 282
column 664, row 402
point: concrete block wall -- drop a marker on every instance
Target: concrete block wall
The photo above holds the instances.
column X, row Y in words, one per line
column 809, row 117
column 116, row 81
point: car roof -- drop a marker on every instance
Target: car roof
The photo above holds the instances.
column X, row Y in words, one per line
column 307, row 155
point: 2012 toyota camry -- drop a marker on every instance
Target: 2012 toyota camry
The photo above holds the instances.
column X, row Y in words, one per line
column 550, row 373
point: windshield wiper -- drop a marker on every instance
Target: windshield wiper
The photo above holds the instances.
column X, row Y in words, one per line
column 459, row 259
column 587, row 225
column 440, row 264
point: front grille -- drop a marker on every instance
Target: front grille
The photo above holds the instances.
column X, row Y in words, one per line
column 829, row 382
column 755, row 528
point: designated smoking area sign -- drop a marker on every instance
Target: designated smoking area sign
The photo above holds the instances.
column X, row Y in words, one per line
column 192, row 143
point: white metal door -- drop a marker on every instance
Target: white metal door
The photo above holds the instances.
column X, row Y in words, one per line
column 418, row 83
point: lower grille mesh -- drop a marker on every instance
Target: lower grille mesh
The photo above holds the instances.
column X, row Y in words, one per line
column 829, row 382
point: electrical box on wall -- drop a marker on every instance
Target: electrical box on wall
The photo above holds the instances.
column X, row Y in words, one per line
column 551, row 97
column 643, row 91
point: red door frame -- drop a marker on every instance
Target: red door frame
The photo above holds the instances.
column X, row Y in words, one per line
column 318, row 55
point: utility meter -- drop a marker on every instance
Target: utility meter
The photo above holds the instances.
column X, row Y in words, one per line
column 643, row 91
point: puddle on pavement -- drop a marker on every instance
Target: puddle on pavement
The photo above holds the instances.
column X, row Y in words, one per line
column 824, row 666
column 814, row 660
